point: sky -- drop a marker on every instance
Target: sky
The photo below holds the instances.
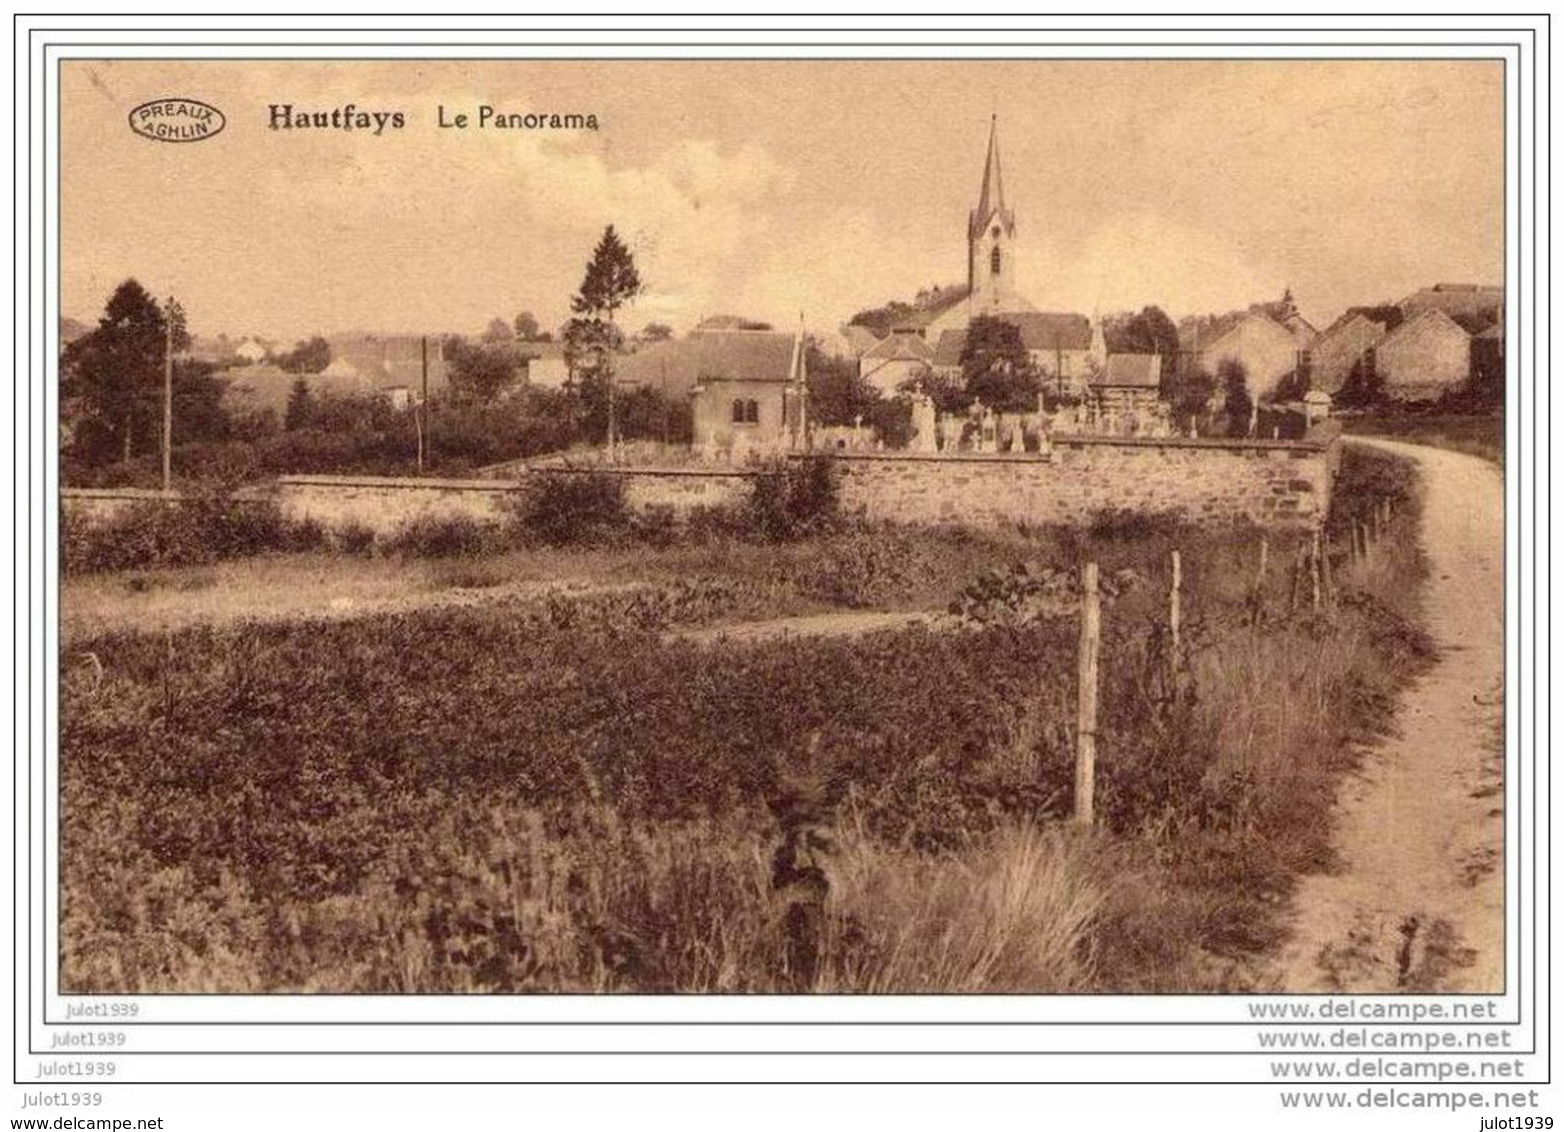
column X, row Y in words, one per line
column 777, row 190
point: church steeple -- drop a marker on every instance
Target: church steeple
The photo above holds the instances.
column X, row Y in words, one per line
column 991, row 229
column 991, row 198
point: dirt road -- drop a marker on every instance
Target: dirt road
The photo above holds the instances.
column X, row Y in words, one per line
column 1418, row 902
column 843, row 623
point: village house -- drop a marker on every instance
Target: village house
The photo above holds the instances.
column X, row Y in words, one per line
column 1424, row 357
column 1345, row 345
column 1267, row 350
column 893, row 360
column 251, row 351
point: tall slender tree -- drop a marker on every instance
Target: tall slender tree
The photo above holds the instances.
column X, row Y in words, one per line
column 113, row 376
column 610, row 282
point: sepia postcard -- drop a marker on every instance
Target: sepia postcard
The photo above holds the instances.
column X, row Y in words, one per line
column 783, row 527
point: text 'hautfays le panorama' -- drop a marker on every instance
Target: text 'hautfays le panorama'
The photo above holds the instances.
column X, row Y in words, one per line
column 349, row 118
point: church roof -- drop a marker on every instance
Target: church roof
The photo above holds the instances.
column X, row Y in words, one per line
column 1048, row 330
column 1041, row 331
column 991, row 198
column 928, row 312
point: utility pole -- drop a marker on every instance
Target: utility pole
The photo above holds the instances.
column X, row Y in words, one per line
column 168, row 395
column 420, row 417
column 613, row 447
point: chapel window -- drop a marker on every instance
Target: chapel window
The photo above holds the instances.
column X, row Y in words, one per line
column 993, row 262
column 752, row 412
column 738, row 412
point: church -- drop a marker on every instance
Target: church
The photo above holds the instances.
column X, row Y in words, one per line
column 1065, row 347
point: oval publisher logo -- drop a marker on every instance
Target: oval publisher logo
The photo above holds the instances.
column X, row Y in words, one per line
column 177, row 120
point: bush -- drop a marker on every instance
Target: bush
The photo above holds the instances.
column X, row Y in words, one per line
column 354, row 537
column 799, row 497
column 439, row 536
column 194, row 531
column 560, row 508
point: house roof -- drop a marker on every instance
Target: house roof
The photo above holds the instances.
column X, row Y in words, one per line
column 386, row 360
column 1212, row 342
column 1428, row 319
column 713, row 355
column 267, row 386
column 901, row 347
column 1348, row 318
column 859, row 338
column 1141, row 371
column 1455, row 299
column 1300, row 326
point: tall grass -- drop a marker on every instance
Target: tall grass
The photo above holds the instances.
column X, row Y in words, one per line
column 507, row 899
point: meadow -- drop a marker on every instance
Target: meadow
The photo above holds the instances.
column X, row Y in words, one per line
column 498, row 798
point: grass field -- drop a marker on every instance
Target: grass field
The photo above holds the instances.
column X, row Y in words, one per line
column 472, row 799
column 1475, row 435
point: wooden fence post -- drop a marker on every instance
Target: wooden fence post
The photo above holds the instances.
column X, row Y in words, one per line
column 1265, row 558
column 1174, row 606
column 1086, row 699
column 1314, row 566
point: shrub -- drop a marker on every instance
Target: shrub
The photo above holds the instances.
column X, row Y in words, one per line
column 354, row 537
column 794, row 499
column 559, row 508
column 439, row 536
column 303, row 535
column 199, row 529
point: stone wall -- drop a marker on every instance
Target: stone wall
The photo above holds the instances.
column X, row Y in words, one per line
column 97, row 504
column 1272, row 483
column 384, row 503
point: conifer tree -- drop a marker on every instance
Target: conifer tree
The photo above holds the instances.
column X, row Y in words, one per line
column 611, row 281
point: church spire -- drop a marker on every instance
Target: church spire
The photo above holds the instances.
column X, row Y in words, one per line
column 993, row 195
column 991, row 199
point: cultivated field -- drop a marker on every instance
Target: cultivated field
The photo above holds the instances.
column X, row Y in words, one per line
column 533, row 788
